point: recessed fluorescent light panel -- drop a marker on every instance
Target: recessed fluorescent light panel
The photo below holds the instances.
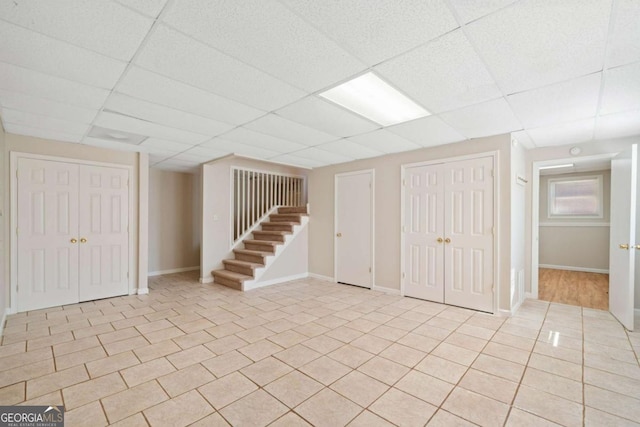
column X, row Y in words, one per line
column 375, row 99
column 116, row 135
column 566, row 165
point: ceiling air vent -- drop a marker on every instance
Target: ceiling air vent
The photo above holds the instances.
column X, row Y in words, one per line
column 116, row 135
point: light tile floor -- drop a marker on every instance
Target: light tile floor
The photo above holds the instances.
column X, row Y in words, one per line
column 312, row 352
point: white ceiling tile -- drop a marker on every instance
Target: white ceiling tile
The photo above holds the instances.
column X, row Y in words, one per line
column 34, row 104
column 41, row 53
column 399, row 26
column 113, row 145
column 329, row 118
column 267, row 35
column 150, row 8
column 621, row 89
column 442, row 75
column 101, row 26
column 298, row 161
column 350, row 149
column 618, row 125
column 156, row 158
column 523, row 138
column 41, row 133
column 470, row 10
column 489, row 118
column 175, row 55
column 384, row 141
column 238, row 148
column 274, row 125
column 155, row 145
column 427, row 131
column 323, row 156
column 201, row 154
column 536, row 42
column 256, row 139
column 43, row 122
column 161, row 90
column 176, row 165
column 164, row 115
column 562, row 102
column 624, row 39
column 141, row 127
column 567, row 133
column 34, row 83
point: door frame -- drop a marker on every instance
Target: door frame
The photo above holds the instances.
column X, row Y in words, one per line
column 495, row 155
column 535, row 211
column 372, row 173
column 14, row 157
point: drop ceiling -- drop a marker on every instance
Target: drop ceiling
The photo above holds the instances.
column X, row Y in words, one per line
column 195, row 80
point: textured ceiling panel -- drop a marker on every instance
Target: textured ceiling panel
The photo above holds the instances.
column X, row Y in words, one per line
column 618, row 125
column 177, row 56
column 39, row 121
column 567, row 133
column 256, row 139
column 322, row 156
column 40, row 133
column 562, row 102
column 164, row 115
column 624, row 42
column 248, row 30
column 442, row 75
column 384, row 141
column 274, row 125
column 537, row 42
column 427, row 131
column 523, row 138
column 350, row 149
column 238, row 148
column 157, row 145
column 150, row 8
column 140, row 127
column 41, row 53
column 470, row 10
column 298, row 161
column 102, row 26
column 34, row 83
column 53, row 109
column 489, row 118
column 399, row 25
column 161, row 90
column 329, row 118
column 621, row 89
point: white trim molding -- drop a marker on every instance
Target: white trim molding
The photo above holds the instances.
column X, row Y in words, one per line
column 321, row 277
column 143, row 291
column 574, row 224
column 173, row 270
column 573, row 268
column 388, row 291
column 275, row 281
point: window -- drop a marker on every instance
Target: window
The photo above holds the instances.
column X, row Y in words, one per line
column 576, row 197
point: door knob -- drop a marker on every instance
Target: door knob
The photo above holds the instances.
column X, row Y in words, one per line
column 623, row 246
column 339, row 235
column 83, row 240
column 637, row 247
column 447, row 240
column 439, row 240
column 74, row 240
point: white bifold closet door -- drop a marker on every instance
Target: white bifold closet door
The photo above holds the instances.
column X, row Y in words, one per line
column 72, row 235
column 448, row 233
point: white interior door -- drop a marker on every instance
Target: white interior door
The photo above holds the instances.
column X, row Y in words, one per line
column 623, row 230
column 354, row 218
column 424, row 228
column 47, row 239
column 468, row 233
column 103, row 232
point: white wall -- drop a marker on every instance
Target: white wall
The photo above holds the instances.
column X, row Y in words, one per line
column 4, row 272
column 293, row 261
column 216, row 208
column 518, row 237
column 388, row 220
column 174, row 235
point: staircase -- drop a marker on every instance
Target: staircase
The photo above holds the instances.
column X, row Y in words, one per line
column 260, row 250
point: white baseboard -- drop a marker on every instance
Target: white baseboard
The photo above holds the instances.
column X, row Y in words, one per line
column 4, row 320
column 172, row 270
column 572, row 268
column 321, row 277
column 505, row 313
column 143, row 291
column 206, row 279
column 275, row 281
column 529, row 295
column 389, row 291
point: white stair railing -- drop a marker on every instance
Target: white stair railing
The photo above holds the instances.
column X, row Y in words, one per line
column 256, row 192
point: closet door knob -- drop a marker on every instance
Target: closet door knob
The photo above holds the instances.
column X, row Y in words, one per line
column 447, row 240
column 83, row 240
column 74, row 240
column 439, row 240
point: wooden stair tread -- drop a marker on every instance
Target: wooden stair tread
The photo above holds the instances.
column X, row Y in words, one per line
column 242, row 263
column 231, row 275
column 252, row 252
column 280, row 222
column 272, row 232
column 262, row 242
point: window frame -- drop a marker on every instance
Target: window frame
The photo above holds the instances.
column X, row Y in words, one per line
column 551, row 197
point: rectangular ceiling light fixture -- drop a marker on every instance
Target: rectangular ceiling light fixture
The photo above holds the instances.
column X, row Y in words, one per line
column 375, row 99
column 566, row 165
